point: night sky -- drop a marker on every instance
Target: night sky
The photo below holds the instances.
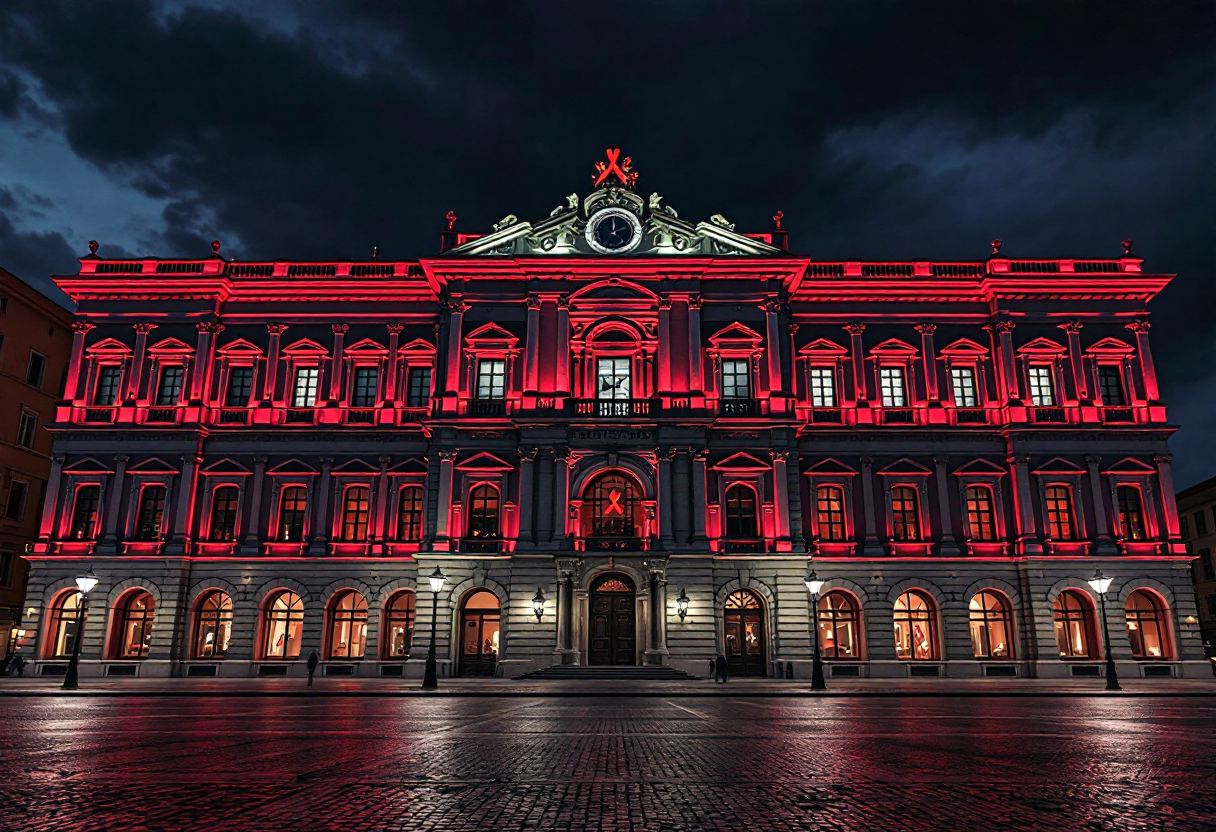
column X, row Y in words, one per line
column 882, row 130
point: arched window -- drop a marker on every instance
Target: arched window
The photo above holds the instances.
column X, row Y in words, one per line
column 829, row 506
column 223, row 513
column 409, row 514
column 64, row 624
column 839, row 626
column 151, row 513
column 356, row 504
column 612, row 508
column 1146, row 626
column 132, row 632
column 1060, row 525
column 905, row 514
column 991, row 626
column 398, row 625
column 1074, row 625
column 84, row 513
column 282, row 626
column 915, row 626
column 293, row 507
column 741, row 513
column 981, row 514
column 213, row 627
column 483, row 512
column 1131, row 512
column 347, row 625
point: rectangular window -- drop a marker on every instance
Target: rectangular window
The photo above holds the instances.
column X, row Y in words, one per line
column 905, row 514
column 292, row 511
column 1059, row 513
column 1110, row 382
column 224, row 504
column 36, row 369
column 7, row 561
column 169, row 391
column 612, row 378
column 891, row 381
column 1131, row 512
column 106, row 392
column 963, row 381
column 1042, row 387
column 418, row 393
column 981, row 517
column 1184, row 528
column 84, row 514
column 14, row 509
column 240, row 387
column 409, row 514
column 1201, row 523
column 1212, row 605
column 823, row 387
column 151, row 513
column 736, row 379
column 304, row 392
column 1209, row 568
column 26, row 429
column 829, row 505
column 491, row 378
column 365, row 387
column 355, row 510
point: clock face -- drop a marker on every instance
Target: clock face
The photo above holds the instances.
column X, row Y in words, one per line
column 613, row 231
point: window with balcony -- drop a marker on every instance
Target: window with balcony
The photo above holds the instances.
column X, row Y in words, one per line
column 1042, row 385
column 169, row 389
column 483, row 513
column 409, row 514
column 418, row 390
column 293, row 508
column 612, row 509
column 892, row 387
column 823, row 387
column 240, row 387
column 981, row 514
column 224, row 502
column 829, row 510
column 736, row 378
column 492, row 378
column 1131, row 512
column 105, row 393
column 905, row 514
column 304, row 390
column 612, row 378
column 151, row 513
column 356, row 505
column 962, row 381
column 741, row 522
column 84, row 513
column 26, row 429
column 1060, row 518
column 1110, row 385
column 364, row 387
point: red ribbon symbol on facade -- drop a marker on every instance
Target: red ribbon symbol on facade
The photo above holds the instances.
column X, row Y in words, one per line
column 621, row 170
column 614, row 504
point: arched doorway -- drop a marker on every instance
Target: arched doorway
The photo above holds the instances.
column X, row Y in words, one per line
column 479, row 624
column 744, row 634
column 613, row 638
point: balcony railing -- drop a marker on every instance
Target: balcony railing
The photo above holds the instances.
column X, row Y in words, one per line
column 414, row 414
column 488, row 407
column 361, row 416
column 99, row 415
column 826, row 416
column 611, row 408
column 971, row 416
column 299, row 416
column 740, row 407
column 234, row 416
column 613, row 544
column 898, row 416
column 484, row 545
column 1050, row 415
column 161, row 414
column 1118, row 415
column 745, row 544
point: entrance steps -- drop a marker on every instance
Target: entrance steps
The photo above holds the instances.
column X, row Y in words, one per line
column 580, row 673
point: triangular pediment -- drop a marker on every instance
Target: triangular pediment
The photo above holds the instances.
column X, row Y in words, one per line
column 292, row 468
column 484, row 462
column 155, row 465
column 305, row 346
column 1042, row 346
column 88, row 465
column 355, row 467
column 905, row 468
column 893, row 346
column 410, row 467
column 965, row 347
column 1128, row 465
column 224, row 466
column 490, row 335
column 417, row 346
column 736, row 336
column 1110, row 346
column 1057, row 465
column 824, row 348
column 240, row 347
column 367, row 347
column 170, row 345
column 980, row 468
column 109, row 345
column 830, row 468
column 742, row 462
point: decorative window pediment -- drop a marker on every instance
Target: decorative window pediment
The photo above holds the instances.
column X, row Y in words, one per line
column 741, row 463
column 491, row 337
column 240, row 348
column 1129, row 466
column 305, row 347
column 1059, row 466
column 224, row 467
column 964, row 348
column 830, row 468
column 484, row 463
column 88, row 465
column 412, row 467
column 904, row 468
column 893, row 348
column 980, row 468
column 1042, row 347
column 1110, row 347
column 823, row 348
column 292, row 468
column 109, row 346
column 736, row 337
column 355, row 467
column 170, row 346
column 366, row 348
column 417, row 346
column 155, row 465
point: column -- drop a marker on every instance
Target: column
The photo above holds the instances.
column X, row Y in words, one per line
column 272, row 361
column 694, row 345
column 561, row 496
column 781, row 498
column 775, row 384
column 664, row 346
column 563, row 346
column 114, row 504
column 335, row 375
column 451, row 385
column 381, row 500
column 1075, row 359
column 391, row 394
column 532, row 347
column 1165, row 479
column 46, row 528
column 870, row 544
column 930, row 359
column 567, row 569
column 249, row 543
column 527, row 459
column 949, row 546
column 184, row 511
column 202, row 360
column 857, row 354
column 443, row 515
column 699, row 502
column 79, row 330
column 1105, row 544
column 137, row 363
column 1027, row 540
column 320, row 526
column 1004, row 331
column 1147, row 371
column 656, row 650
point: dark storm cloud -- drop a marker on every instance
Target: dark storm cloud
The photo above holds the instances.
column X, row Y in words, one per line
column 881, row 129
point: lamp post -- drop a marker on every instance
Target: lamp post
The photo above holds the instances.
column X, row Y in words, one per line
column 682, row 604
column 1101, row 584
column 538, row 604
column 85, row 584
column 431, row 680
column 813, row 585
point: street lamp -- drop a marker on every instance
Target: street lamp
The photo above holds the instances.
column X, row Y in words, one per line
column 431, row 680
column 85, row 584
column 814, row 585
column 538, row 604
column 682, row 604
column 1101, row 584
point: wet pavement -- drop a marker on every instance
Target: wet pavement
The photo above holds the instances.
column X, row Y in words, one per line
column 642, row 763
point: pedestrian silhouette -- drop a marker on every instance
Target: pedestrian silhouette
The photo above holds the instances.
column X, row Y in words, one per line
column 720, row 670
column 16, row 667
column 713, row 668
column 312, row 666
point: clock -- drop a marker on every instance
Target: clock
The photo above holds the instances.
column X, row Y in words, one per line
column 614, row 231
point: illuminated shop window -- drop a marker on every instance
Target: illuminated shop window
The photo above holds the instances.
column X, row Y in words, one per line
column 1146, row 626
column 133, row 626
column 399, row 625
column 282, row 626
column 915, row 626
column 839, row 626
column 64, row 624
column 213, row 626
column 991, row 626
column 1074, row 620
column 347, row 625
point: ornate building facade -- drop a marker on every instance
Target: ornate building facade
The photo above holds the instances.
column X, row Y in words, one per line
column 621, row 435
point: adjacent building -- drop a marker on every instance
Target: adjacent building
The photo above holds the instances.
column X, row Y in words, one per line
column 1197, row 518
column 623, row 436
column 35, row 339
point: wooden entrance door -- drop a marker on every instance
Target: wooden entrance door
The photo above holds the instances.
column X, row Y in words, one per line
column 613, row 635
column 744, row 626
column 479, row 624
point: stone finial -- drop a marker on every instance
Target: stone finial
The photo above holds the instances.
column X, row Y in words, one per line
column 215, row 247
column 1127, row 248
column 450, row 216
column 93, row 246
column 777, row 217
column 996, row 247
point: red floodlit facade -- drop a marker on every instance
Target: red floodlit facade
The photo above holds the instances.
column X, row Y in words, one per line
column 582, row 420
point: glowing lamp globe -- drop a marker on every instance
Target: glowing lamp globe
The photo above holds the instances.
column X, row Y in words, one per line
column 437, row 579
column 1100, row 582
column 86, row 582
column 538, row 604
column 813, row 584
